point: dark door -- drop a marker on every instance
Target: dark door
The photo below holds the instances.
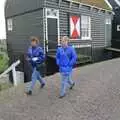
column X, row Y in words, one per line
column 52, row 33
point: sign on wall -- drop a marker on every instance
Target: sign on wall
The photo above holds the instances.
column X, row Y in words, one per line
column 74, row 27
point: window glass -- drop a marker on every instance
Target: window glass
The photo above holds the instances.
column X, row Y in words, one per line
column 86, row 27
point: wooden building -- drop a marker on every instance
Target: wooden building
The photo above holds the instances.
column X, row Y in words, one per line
column 86, row 22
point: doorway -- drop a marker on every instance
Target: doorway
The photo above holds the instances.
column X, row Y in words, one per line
column 52, row 29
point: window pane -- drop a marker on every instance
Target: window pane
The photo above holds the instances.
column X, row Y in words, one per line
column 85, row 26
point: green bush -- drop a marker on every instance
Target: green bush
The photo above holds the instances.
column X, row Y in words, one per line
column 3, row 62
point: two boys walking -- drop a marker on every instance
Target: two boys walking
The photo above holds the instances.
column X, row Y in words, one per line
column 65, row 58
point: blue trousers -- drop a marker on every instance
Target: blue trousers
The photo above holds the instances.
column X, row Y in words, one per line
column 66, row 82
column 36, row 76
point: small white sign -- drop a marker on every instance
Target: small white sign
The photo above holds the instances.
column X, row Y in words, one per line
column 118, row 28
column 10, row 24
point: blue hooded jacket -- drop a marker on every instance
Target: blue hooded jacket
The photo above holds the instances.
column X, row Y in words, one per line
column 35, row 52
column 66, row 58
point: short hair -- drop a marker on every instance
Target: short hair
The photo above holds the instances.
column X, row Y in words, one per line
column 66, row 38
column 34, row 39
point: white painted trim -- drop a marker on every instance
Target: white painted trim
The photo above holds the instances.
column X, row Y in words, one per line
column 46, row 27
column 82, row 46
column 14, row 76
column 118, row 2
column 105, row 44
column 90, row 33
column 108, row 4
column 10, row 24
column 58, row 28
column 12, row 68
column 86, row 38
column 58, row 25
column 108, row 22
column 89, row 37
column 44, row 30
column 52, row 17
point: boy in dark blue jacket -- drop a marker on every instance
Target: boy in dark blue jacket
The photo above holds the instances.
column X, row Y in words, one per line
column 35, row 56
column 66, row 58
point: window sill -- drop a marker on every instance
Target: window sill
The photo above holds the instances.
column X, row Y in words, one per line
column 86, row 39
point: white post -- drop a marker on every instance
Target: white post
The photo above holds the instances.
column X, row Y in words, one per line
column 14, row 76
column 14, row 73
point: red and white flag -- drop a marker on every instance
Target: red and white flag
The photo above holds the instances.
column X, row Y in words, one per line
column 74, row 27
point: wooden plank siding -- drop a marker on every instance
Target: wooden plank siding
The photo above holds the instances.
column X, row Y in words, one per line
column 97, row 20
column 19, row 7
column 24, row 26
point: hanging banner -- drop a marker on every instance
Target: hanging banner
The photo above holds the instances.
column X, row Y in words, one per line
column 75, row 27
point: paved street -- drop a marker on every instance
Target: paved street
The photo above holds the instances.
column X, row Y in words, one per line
column 95, row 97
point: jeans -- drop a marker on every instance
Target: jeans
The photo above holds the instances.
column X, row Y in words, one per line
column 36, row 76
column 66, row 82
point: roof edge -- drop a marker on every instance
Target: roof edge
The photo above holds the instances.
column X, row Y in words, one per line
column 118, row 2
column 92, row 6
column 108, row 3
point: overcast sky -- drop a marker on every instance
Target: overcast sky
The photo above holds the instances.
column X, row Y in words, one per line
column 2, row 20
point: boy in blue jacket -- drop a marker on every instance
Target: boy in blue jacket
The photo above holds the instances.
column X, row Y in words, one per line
column 35, row 56
column 66, row 58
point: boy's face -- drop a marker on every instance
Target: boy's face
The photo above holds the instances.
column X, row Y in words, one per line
column 64, row 42
column 33, row 43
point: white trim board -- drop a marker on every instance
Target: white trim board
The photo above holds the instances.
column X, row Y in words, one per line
column 58, row 25
column 118, row 2
column 108, row 4
column 92, row 6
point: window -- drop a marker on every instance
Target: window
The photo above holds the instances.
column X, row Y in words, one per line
column 86, row 27
column 108, row 21
column 108, row 30
column 10, row 24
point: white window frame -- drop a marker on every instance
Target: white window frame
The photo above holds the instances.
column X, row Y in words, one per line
column 54, row 17
column 10, row 24
column 89, row 34
column 108, row 21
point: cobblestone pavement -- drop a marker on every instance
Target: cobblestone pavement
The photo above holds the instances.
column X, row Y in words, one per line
column 95, row 97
